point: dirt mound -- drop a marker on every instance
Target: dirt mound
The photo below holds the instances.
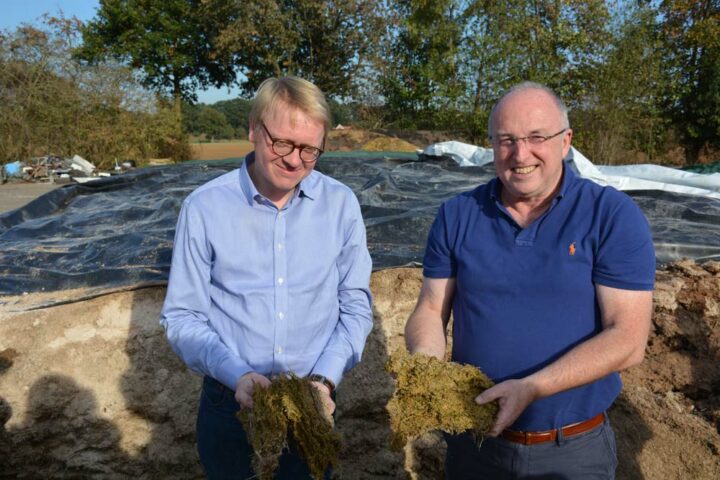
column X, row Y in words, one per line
column 389, row 144
column 220, row 150
column 348, row 139
column 351, row 138
column 423, row 138
column 338, row 140
column 92, row 389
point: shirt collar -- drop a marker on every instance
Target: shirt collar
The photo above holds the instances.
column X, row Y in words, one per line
column 567, row 179
column 309, row 186
column 246, row 184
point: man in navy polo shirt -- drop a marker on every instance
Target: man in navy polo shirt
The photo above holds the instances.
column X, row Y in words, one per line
column 549, row 278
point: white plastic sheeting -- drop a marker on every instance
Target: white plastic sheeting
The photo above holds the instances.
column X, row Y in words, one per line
column 463, row 153
column 627, row 177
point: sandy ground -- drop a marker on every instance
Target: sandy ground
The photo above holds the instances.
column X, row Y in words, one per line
column 91, row 389
column 15, row 195
column 220, row 150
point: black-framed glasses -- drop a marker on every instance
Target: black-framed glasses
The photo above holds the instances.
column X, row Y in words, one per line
column 308, row 154
column 535, row 139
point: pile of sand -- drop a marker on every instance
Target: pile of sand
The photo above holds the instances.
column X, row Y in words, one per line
column 389, row 144
column 92, row 389
column 351, row 139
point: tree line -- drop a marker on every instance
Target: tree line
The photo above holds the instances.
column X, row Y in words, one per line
column 52, row 104
column 641, row 78
column 228, row 119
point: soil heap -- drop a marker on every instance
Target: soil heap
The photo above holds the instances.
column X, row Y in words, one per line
column 91, row 389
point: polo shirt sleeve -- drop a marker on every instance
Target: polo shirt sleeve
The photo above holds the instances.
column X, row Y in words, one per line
column 625, row 257
column 439, row 261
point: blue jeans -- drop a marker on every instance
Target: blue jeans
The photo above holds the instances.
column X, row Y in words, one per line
column 223, row 445
column 588, row 456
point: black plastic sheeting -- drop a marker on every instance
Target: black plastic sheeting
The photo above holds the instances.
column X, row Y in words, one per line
column 117, row 233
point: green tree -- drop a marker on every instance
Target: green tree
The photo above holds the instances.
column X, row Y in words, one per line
column 419, row 65
column 168, row 41
column 622, row 112
column 559, row 43
column 324, row 41
column 207, row 121
column 692, row 30
column 446, row 62
column 52, row 104
column 237, row 112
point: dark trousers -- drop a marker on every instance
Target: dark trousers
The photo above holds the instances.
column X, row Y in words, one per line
column 588, row 456
column 222, row 444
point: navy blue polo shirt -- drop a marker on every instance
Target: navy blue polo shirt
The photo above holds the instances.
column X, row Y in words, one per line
column 525, row 296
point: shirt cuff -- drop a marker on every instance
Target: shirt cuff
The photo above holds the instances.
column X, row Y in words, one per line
column 330, row 365
column 229, row 372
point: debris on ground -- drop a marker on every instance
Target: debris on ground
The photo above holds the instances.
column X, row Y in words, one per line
column 290, row 410
column 50, row 168
column 435, row 395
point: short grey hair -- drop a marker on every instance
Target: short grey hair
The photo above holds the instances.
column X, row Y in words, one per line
column 521, row 87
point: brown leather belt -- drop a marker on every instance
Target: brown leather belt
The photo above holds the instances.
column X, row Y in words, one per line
column 532, row 438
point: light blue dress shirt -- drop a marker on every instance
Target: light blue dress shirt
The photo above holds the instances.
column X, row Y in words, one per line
column 257, row 289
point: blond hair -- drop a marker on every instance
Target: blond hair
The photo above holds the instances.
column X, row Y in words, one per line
column 293, row 92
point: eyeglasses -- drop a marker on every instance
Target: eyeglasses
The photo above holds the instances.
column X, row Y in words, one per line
column 509, row 142
column 283, row 148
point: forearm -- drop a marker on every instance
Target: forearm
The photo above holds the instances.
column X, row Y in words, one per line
column 610, row 351
column 425, row 333
column 620, row 344
column 426, row 329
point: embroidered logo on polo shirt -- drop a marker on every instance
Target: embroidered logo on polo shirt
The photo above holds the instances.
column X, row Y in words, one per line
column 571, row 249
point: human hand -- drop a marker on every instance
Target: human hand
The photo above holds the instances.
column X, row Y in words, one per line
column 328, row 405
column 246, row 386
column 513, row 397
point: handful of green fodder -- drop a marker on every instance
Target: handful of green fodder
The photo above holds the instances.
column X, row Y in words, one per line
column 289, row 406
column 434, row 395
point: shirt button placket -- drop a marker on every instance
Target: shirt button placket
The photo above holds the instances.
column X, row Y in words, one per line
column 281, row 291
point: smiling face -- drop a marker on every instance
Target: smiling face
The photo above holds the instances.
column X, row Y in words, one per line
column 276, row 177
column 529, row 172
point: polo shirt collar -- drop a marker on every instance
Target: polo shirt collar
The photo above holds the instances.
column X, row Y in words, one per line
column 568, row 179
column 309, row 186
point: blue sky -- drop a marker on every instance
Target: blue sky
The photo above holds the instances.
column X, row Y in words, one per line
column 15, row 12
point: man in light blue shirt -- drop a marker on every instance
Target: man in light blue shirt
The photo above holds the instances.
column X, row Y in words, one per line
column 270, row 274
